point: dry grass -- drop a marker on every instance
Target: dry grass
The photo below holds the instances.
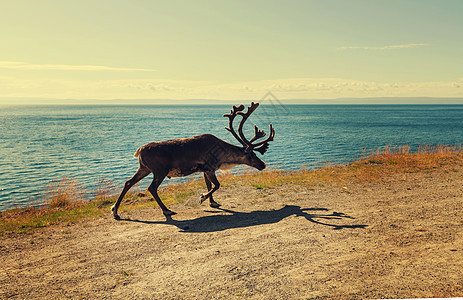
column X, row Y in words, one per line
column 61, row 204
column 65, row 204
column 384, row 162
column 62, row 193
column 27, row 219
column 105, row 189
column 375, row 166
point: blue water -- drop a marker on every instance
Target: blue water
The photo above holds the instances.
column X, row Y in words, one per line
column 42, row 144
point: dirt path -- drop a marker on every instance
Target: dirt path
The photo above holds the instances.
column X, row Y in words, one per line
column 402, row 238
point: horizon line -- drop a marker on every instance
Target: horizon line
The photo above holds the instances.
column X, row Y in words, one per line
column 27, row 101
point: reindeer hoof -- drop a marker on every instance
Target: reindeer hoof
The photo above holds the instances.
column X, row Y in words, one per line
column 169, row 213
column 115, row 215
column 214, row 204
column 203, row 197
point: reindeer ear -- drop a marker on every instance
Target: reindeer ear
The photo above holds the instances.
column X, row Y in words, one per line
column 262, row 149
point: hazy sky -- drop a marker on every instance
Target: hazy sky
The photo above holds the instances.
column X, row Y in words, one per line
column 230, row 49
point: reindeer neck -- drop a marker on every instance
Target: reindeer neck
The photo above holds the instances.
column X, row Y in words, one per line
column 233, row 155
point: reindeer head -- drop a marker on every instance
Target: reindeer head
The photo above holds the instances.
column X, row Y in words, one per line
column 249, row 147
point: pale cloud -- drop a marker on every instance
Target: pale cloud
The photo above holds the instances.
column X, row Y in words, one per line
column 57, row 67
column 389, row 47
column 286, row 88
column 331, row 88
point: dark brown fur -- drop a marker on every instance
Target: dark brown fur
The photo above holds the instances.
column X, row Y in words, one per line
column 182, row 157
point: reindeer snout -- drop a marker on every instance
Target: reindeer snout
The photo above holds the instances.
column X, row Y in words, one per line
column 261, row 166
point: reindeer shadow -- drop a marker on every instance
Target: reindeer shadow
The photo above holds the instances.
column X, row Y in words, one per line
column 236, row 219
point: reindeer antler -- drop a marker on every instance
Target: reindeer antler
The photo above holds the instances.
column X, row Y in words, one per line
column 231, row 116
column 258, row 134
column 248, row 144
column 245, row 116
column 263, row 146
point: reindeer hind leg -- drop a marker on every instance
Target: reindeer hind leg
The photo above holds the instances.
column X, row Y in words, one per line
column 209, row 178
column 139, row 175
column 153, row 188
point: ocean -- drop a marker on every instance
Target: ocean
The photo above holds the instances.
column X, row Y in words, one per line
column 43, row 144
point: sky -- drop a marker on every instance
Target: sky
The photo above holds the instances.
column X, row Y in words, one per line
column 147, row 49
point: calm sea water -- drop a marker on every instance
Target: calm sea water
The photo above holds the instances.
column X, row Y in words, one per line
column 41, row 144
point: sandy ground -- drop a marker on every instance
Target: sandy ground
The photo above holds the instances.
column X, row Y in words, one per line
column 397, row 239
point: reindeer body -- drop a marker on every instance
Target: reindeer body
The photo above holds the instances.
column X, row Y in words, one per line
column 203, row 153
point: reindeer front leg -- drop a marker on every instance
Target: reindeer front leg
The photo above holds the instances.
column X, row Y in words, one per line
column 210, row 179
column 153, row 189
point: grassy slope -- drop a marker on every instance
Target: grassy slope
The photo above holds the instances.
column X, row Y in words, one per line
column 64, row 209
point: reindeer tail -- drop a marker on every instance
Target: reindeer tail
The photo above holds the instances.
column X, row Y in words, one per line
column 137, row 153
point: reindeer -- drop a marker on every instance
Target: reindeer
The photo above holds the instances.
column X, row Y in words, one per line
column 203, row 153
